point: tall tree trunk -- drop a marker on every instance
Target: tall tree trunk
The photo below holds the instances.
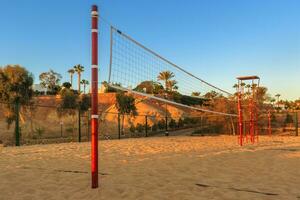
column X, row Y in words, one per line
column 79, row 77
column 166, row 85
column 84, row 88
column 71, row 80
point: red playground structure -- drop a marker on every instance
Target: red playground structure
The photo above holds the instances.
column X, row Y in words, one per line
column 247, row 121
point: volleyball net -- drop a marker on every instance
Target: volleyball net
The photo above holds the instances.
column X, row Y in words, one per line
column 141, row 71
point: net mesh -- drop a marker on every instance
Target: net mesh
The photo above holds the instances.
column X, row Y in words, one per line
column 135, row 68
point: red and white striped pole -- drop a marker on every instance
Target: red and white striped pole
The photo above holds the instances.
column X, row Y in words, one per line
column 94, row 113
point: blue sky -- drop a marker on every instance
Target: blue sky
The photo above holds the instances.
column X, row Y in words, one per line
column 216, row 40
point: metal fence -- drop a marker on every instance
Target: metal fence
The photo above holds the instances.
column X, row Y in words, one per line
column 285, row 123
column 44, row 124
column 41, row 124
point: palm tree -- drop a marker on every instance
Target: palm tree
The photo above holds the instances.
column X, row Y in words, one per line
column 248, row 86
column 236, row 86
column 242, row 85
column 71, row 72
column 277, row 95
column 248, row 93
column 272, row 100
column 165, row 76
column 171, row 84
column 84, row 83
column 79, row 69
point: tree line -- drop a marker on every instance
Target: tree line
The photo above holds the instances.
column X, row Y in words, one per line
column 51, row 81
column 16, row 88
column 16, row 92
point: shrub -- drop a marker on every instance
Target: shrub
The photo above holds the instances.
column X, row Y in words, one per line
column 132, row 128
column 190, row 121
column 288, row 119
column 85, row 102
column 139, row 127
column 39, row 131
column 67, row 85
column 187, row 120
column 161, row 124
column 172, row 124
column 148, row 127
column 69, row 130
column 154, row 127
column 180, row 123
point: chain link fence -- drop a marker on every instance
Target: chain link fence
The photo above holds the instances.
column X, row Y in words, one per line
column 40, row 124
column 285, row 123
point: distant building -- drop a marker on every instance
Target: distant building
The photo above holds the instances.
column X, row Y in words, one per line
column 281, row 106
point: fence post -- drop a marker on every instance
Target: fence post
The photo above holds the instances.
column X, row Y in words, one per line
column 79, row 126
column 146, row 125
column 269, row 124
column 296, row 123
column 17, row 126
column 119, row 126
column 61, row 129
column 166, row 124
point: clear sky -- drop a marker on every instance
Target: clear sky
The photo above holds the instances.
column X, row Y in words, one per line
column 217, row 40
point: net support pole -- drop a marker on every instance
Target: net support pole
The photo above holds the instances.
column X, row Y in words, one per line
column 94, row 110
column 240, row 116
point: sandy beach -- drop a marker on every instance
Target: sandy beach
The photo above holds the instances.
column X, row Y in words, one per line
column 179, row 167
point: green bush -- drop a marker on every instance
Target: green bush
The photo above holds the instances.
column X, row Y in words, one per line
column 190, row 121
column 132, row 128
column 187, row 120
column 67, row 85
column 161, row 124
column 148, row 127
column 39, row 131
column 288, row 119
column 139, row 127
column 154, row 127
column 69, row 130
column 172, row 124
column 180, row 123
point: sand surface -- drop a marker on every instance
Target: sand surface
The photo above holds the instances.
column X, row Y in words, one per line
column 155, row 168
